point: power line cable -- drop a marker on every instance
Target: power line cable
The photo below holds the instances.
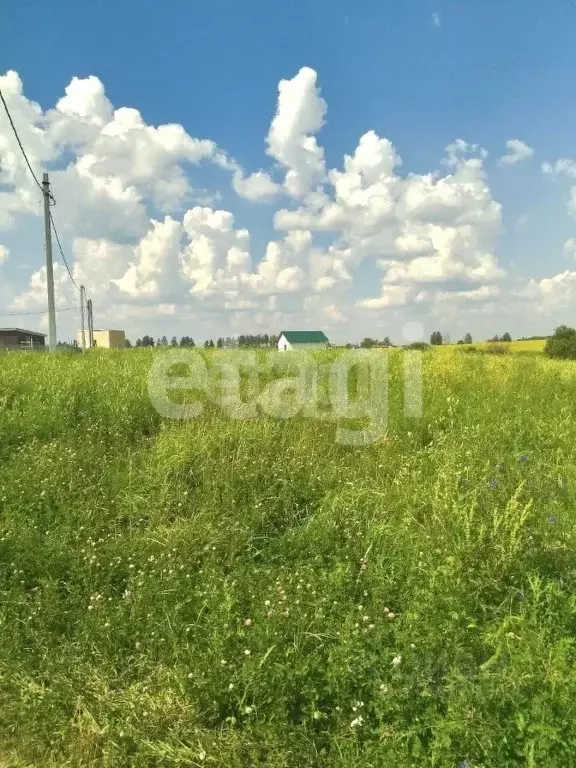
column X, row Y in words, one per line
column 43, row 312
column 41, row 188
column 62, row 252
column 19, row 142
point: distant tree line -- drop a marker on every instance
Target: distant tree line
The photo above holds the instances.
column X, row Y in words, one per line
column 260, row 340
column 265, row 341
column 437, row 338
column 369, row 343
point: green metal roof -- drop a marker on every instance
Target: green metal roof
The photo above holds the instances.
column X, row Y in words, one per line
column 305, row 337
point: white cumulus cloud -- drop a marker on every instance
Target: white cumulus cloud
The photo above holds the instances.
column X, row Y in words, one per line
column 148, row 239
column 291, row 139
column 517, row 151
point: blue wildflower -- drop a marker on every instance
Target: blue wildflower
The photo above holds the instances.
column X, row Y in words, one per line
column 493, row 483
column 464, row 764
column 524, row 458
column 552, row 520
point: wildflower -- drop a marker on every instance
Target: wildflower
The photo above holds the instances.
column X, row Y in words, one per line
column 247, row 652
column 397, row 660
column 190, row 675
column 464, row 764
column 391, row 615
column 230, row 686
column 552, row 520
column 247, row 622
column 357, row 721
column 524, row 458
column 247, row 710
column 266, row 603
column 493, row 484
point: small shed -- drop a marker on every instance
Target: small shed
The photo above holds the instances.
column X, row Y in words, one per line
column 19, row 338
column 302, row 340
column 104, row 339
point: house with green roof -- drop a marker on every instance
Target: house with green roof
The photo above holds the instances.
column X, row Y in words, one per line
column 302, row 340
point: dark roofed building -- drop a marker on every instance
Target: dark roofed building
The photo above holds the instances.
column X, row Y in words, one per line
column 21, row 339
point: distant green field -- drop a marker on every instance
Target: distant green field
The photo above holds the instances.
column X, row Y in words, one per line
column 238, row 593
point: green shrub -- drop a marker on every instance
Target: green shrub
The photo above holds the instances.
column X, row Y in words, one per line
column 562, row 344
column 421, row 345
column 497, row 349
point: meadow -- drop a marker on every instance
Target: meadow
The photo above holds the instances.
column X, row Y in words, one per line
column 220, row 592
column 516, row 346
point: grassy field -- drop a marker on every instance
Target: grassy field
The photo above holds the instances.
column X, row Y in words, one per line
column 251, row 593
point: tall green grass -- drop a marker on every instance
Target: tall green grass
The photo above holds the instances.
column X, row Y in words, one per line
column 251, row 593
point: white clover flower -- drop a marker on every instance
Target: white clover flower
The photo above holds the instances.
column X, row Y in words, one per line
column 397, row 660
column 357, row 721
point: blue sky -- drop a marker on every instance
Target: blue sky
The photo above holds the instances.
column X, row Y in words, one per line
column 420, row 74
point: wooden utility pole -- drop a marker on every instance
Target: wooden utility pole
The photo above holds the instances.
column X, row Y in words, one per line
column 90, row 324
column 49, row 267
column 83, row 327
